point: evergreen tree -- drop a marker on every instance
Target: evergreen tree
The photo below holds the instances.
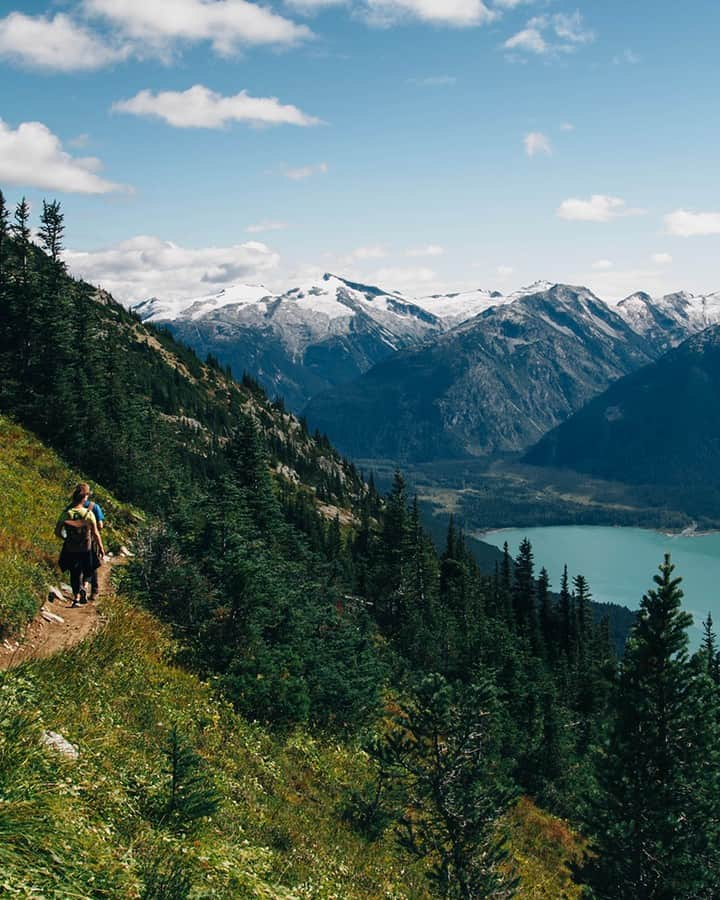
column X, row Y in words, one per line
column 443, row 754
column 546, row 611
column 52, row 230
column 567, row 615
column 388, row 576
column 709, row 652
column 524, row 594
column 4, row 235
column 191, row 794
column 656, row 820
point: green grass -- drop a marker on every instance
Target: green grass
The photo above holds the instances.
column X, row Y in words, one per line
column 89, row 827
column 35, row 485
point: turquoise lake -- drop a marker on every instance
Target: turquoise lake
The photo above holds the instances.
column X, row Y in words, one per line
column 619, row 563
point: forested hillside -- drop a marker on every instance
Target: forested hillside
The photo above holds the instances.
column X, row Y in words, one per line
column 304, row 600
column 658, row 427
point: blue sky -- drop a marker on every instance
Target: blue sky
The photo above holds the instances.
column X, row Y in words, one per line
column 423, row 144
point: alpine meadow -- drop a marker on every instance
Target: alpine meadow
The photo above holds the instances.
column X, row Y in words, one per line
column 307, row 579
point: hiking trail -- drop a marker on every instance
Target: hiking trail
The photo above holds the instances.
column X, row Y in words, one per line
column 45, row 637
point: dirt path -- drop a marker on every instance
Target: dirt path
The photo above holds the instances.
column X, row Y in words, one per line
column 43, row 638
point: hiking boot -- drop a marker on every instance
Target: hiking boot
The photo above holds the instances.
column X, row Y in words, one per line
column 94, row 595
column 74, row 604
column 83, row 596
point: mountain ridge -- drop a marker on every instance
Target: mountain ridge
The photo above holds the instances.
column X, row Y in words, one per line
column 309, row 339
column 488, row 385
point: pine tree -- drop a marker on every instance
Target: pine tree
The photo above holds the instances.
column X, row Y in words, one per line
column 5, row 324
column 52, row 230
column 546, row 611
column 709, row 653
column 20, row 293
column 442, row 753
column 656, row 819
column 4, row 234
column 567, row 615
column 191, row 794
column 524, row 594
column 388, row 575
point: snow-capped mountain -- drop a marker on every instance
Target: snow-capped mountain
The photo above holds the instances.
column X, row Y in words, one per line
column 495, row 383
column 327, row 333
column 312, row 337
column 155, row 310
column 669, row 320
column 303, row 341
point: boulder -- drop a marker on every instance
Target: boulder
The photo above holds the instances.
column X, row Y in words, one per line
column 52, row 617
column 55, row 594
column 57, row 742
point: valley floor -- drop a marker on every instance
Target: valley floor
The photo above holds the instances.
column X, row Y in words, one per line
column 487, row 494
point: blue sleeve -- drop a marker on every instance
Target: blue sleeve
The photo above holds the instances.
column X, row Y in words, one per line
column 99, row 514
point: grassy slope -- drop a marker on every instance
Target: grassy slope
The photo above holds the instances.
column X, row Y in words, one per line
column 87, row 828
column 90, row 828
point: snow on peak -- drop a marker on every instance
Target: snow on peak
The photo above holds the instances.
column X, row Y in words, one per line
column 155, row 310
column 461, row 306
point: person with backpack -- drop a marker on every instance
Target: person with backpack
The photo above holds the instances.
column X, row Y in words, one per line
column 77, row 526
column 96, row 510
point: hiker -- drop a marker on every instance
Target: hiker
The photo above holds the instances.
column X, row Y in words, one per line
column 96, row 510
column 77, row 527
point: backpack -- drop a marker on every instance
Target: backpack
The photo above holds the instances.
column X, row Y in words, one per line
column 78, row 540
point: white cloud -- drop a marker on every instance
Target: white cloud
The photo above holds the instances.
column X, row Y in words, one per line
column 598, row 208
column 199, row 107
column 560, row 33
column 365, row 253
column 602, row 265
column 57, row 44
column 512, row 4
column 529, row 39
column 458, row 13
column 662, row 259
column 684, row 223
column 146, row 266
column 429, row 250
column 567, row 126
column 227, row 24
column 570, row 27
column 261, row 227
column 32, row 156
column 303, row 172
column 537, row 142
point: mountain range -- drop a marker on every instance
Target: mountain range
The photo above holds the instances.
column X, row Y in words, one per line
column 444, row 376
column 308, row 339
